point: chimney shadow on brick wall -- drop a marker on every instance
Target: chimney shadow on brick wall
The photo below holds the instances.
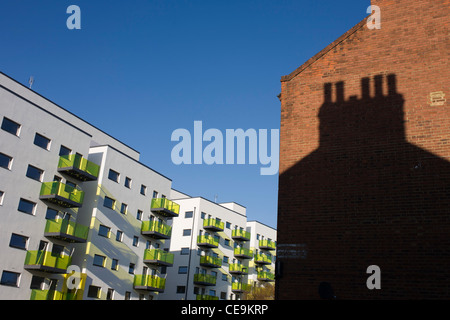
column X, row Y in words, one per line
column 365, row 197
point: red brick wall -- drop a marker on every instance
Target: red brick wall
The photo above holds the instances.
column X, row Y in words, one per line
column 365, row 161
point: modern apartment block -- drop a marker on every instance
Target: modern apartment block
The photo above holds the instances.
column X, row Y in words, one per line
column 214, row 257
column 84, row 219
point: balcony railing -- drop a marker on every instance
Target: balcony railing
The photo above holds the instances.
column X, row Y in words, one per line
column 66, row 230
column 78, row 167
column 205, row 297
column 149, row 283
column 158, row 257
column 165, row 207
column 51, row 295
column 213, row 224
column 267, row 244
column 266, row 276
column 237, row 268
column 46, row 262
column 262, row 258
column 61, row 194
column 240, row 287
column 207, row 241
column 156, row 229
column 243, row 253
column 241, row 235
column 204, row 279
column 210, row 261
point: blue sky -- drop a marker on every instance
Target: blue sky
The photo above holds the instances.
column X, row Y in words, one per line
column 141, row 69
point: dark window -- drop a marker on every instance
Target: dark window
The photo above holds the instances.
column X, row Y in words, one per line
column 181, row 289
column 127, row 295
column 5, row 161
column 18, row 241
column 135, row 241
column 128, row 182
column 184, row 251
column 42, row 141
column 115, row 264
column 186, row 232
column 109, row 203
column 155, row 194
column 26, row 206
column 182, row 270
column 51, row 214
column 34, row 173
column 64, row 151
column 110, row 294
column 113, row 175
column 37, row 282
column 10, row 278
column 123, row 208
column 131, row 268
column 188, row 214
column 139, row 215
column 104, row 231
column 1, row 197
column 94, row 292
column 143, row 189
column 99, row 261
column 11, row 126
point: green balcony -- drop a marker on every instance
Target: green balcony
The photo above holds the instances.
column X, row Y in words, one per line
column 207, row 241
column 238, row 269
column 78, row 167
column 240, row 235
column 266, row 276
column 262, row 258
column 204, row 279
column 243, row 253
column 213, row 224
column 46, row 262
column 267, row 245
column 205, row 297
column 165, row 207
column 61, row 194
column 239, row 287
column 210, row 261
column 158, row 257
column 51, row 295
column 156, row 229
column 149, row 283
column 66, row 230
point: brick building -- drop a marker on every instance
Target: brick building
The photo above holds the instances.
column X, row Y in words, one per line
column 365, row 161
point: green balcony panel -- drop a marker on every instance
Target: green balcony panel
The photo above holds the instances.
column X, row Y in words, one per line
column 149, row 283
column 165, row 207
column 204, row 279
column 240, row 287
column 262, row 258
column 158, row 257
column 61, row 194
column 78, row 167
column 266, row 276
column 46, row 262
column 241, row 235
column 205, row 297
column 156, row 229
column 237, row 268
column 243, row 253
column 213, row 224
column 66, row 230
column 210, row 261
column 267, row 245
column 51, row 295
column 207, row 241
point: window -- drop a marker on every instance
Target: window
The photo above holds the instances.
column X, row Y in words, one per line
column 113, row 175
column 155, row 194
column 128, row 182
column 228, row 225
column 127, row 295
column 223, row 295
column 42, row 141
column 181, row 289
column 51, row 214
column 188, row 214
column 1, row 197
column 110, row 294
column 94, row 292
column 135, row 241
column 225, row 259
column 186, row 232
column 143, row 189
column 119, row 236
column 182, row 270
column 224, row 277
column 131, row 268
column 109, row 203
column 123, row 208
column 34, row 173
column 184, row 251
column 99, row 261
column 203, row 215
column 139, row 214
column 104, row 231
column 11, row 126
column 227, row 242
column 10, row 278
column 64, row 151
column 115, row 264
column 18, row 241
column 37, row 282
column 5, row 161
column 26, row 206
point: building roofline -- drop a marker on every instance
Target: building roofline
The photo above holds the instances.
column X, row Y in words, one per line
column 324, row 51
column 199, row 197
column 262, row 224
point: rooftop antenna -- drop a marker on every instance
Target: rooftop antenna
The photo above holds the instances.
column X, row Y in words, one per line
column 30, row 81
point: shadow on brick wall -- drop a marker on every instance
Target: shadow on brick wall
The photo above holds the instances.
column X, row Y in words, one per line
column 365, row 197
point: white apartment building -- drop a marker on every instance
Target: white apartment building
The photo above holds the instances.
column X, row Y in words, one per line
column 83, row 218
